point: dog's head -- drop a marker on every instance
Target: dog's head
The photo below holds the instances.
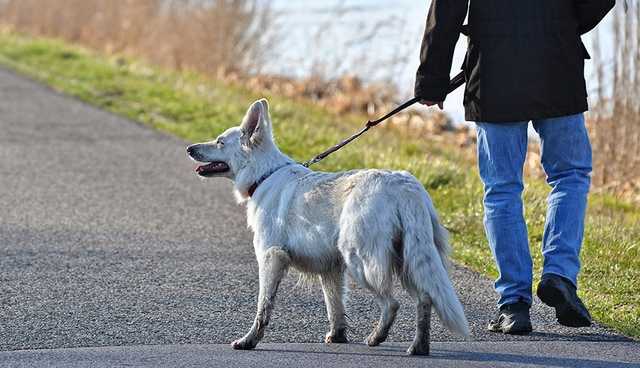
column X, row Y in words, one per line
column 239, row 148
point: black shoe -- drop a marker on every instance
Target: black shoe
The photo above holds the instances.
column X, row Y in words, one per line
column 555, row 291
column 512, row 319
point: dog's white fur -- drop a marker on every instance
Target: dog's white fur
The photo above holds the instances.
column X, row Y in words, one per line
column 372, row 223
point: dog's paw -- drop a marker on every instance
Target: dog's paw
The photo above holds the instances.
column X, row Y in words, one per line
column 418, row 349
column 375, row 339
column 339, row 337
column 243, row 344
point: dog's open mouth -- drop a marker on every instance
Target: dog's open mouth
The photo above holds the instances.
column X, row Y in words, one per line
column 212, row 168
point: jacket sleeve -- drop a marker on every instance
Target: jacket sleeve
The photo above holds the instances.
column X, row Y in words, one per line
column 591, row 12
column 444, row 23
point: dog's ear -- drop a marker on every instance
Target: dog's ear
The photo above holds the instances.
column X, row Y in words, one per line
column 256, row 124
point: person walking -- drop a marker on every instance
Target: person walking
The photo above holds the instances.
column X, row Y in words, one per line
column 524, row 62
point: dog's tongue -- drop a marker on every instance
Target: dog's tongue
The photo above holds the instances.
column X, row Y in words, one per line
column 213, row 167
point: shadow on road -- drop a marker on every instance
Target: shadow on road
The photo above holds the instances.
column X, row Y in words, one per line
column 590, row 337
column 467, row 357
column 542, row 361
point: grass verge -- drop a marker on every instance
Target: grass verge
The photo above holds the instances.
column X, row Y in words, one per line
column 196, row 108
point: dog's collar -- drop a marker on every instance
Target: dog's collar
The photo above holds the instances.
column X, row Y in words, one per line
column 254, row 186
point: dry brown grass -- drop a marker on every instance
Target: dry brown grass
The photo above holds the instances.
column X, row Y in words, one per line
column 614, row 123
column 218, row 38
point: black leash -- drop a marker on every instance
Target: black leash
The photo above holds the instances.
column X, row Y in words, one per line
column 454, row 83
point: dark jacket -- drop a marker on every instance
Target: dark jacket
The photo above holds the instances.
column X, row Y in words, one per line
column 524, row 61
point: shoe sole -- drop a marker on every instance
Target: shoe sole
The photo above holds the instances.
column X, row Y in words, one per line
column 567, row 314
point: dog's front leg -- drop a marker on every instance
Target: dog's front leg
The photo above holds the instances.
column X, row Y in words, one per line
column 272, row 267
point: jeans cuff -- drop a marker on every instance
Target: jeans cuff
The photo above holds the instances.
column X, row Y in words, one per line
column 514, row 299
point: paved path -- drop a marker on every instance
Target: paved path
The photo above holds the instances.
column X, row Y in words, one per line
column 108, row 239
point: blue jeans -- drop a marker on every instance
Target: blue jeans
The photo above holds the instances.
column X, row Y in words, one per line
column 566, row 159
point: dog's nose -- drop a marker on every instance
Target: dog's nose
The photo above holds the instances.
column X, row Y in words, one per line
column 190, row 149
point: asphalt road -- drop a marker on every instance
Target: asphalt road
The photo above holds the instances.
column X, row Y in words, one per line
column 107, row 238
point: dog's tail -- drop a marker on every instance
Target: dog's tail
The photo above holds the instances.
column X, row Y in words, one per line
column 425, row 265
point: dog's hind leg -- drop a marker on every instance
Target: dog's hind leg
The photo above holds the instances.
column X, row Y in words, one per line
column 333, row 288
column 379, row 281
column 420, row 345
column 273, row 267
column 388, row 310
column 375, row 275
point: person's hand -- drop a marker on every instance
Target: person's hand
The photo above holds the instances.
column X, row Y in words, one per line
column 431, row 103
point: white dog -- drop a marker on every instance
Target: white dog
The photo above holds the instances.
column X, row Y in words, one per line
column 372, row 223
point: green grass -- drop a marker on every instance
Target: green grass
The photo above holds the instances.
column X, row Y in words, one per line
column 196, row 108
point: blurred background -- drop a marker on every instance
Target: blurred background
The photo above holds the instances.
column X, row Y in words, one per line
column 350, row 56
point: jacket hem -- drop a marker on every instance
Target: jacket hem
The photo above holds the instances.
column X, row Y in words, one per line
column 525, row 116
